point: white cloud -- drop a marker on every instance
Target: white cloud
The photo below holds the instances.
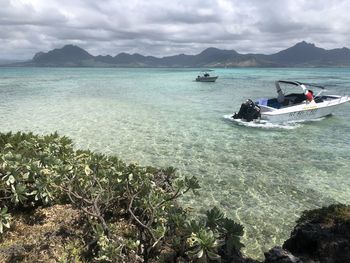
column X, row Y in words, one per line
column 159, row 28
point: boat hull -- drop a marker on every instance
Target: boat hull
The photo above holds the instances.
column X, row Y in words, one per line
column 304, row 112
column 206, row 79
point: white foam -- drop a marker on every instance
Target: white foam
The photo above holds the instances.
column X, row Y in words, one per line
column 264, row 124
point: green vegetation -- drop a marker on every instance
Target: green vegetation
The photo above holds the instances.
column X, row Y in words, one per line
column 105, row 210
column 327, row 215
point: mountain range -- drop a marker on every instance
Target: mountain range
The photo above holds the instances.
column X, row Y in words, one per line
column 302, row 54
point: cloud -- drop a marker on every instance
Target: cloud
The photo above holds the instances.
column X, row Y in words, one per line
column 161, row 28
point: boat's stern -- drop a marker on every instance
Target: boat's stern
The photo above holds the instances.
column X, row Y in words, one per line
column 248, row 111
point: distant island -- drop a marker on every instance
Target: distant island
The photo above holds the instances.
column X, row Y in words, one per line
column 302, row 54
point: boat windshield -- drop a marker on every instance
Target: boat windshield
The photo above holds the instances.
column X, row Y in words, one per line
column 284, row 87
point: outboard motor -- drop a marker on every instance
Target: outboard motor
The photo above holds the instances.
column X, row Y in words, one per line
column 249, row 111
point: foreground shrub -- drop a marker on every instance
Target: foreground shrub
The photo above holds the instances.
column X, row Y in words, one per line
column 129, row 211
column 30, row 166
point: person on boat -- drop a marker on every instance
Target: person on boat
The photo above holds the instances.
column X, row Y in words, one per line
column 309, row 94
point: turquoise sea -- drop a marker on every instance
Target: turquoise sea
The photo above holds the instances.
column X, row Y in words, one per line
column 263, row 177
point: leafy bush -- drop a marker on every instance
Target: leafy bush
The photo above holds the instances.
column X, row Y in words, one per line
column 204, row 245
column 4, row 219
column 130, row 211
column 29, row 167
column 214, row 236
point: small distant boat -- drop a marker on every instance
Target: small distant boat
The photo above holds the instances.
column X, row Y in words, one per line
column 291, row 107
column 206, row 78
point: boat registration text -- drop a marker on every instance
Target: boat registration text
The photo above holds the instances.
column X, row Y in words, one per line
column 298, row 114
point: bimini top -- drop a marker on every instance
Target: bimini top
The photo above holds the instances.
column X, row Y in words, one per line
column 297, row 83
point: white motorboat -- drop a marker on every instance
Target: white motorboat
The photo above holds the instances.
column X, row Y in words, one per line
column 291, row 107
column 206, row 78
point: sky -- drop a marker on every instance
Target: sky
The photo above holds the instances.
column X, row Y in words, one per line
column 162, row 27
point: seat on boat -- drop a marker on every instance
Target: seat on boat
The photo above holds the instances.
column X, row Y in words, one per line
column 262, row 102
column 318, row 99
column 273, row 103
column 296, row 98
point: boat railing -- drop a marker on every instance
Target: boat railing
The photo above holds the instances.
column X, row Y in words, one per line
column 319, row 93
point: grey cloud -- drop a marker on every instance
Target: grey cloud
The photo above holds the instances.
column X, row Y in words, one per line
column 187, row 18
column 161, row 28
column 28, row 15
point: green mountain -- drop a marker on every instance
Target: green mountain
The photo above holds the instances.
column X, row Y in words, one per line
column 302, row 54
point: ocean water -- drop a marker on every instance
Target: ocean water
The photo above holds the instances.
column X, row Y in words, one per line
column 262, row 176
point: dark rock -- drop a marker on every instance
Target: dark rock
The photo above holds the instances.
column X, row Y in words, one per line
column 322, row 235
column 279, row 255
